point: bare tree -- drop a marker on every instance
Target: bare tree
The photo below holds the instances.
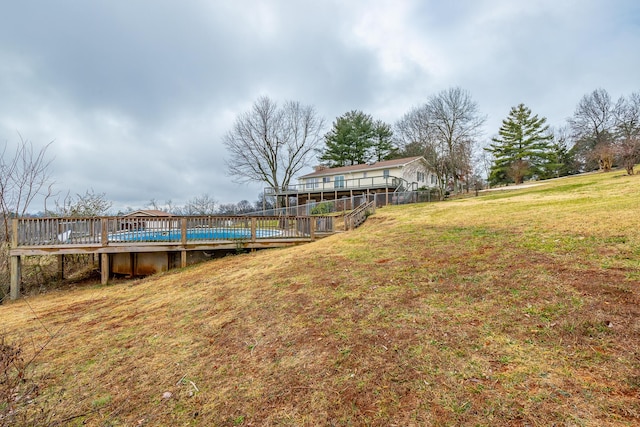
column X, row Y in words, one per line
column 627, row 129
column 484, row 161
column 456, row 122
column 264, row 202
column 169, row 206
column 24, row 174
column 200, row 205
column 416, row 137
column 592, row 127
column 87, row 204
column 153, row 204
column 628, row 150
column 271, row 144
column 444, row 132
column 244, row 206
column 227, row 209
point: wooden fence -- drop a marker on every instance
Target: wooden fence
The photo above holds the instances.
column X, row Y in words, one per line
column 104, row 231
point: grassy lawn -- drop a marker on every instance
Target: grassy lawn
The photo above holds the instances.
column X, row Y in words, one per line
column 518, row 307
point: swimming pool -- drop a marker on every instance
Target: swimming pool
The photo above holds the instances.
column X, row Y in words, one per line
column 192, row 234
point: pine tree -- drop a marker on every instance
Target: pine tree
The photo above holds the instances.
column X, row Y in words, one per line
column 382, row 147
column 355, row 138
column 523, row 148
column 338, row 144
column 559, row 161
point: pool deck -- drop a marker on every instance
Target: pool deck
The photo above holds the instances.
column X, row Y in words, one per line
column 108, row 236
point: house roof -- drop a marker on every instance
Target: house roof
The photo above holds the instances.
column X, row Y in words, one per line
column 385, row 164
column 149, row 212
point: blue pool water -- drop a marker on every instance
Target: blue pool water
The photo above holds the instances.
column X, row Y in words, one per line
column 192, row 234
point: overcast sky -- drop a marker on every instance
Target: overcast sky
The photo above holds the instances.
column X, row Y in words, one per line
column 137, row 94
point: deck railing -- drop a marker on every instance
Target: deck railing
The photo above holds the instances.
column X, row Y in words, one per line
column 171, row 229
column 340, row 185
column 358, row 216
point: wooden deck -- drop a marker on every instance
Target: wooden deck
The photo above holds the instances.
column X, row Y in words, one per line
column 349, row 184
column 108, row 236
column 318, row 191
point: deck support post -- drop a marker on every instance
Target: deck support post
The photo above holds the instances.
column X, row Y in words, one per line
column 183, row 241
column 61, row 267
column 132, row 264
column 104, row 268
column 16, row 277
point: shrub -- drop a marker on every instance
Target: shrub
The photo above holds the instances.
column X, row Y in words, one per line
column 321, row 208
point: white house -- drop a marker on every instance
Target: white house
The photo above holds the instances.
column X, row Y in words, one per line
column 388, row 176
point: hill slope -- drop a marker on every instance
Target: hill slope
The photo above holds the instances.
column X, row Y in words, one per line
column 514, row 308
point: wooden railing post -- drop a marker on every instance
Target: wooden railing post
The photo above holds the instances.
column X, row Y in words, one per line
column 183, row 231
column 312, row 227
column 14, row 232
column 104, row 237
column 254, row 222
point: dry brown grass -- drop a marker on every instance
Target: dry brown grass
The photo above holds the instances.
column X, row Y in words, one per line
column 518, row 308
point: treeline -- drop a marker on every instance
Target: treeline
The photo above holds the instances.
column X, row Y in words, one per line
column 271, row 144
column 601, row 134
column 97, row 204
column 207, row 205
column 446, row 130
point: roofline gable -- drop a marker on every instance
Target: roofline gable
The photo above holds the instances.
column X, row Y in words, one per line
column 148, row 213
column 385, row 164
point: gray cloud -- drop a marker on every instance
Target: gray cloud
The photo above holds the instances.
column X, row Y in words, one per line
column 137, row 95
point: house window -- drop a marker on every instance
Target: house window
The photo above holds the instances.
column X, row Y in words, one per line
column 420, row 177
column 311, row 183
column 338, row 181
column 385, row 173
column 364, row 174
column 326, row 179
column 433, row 179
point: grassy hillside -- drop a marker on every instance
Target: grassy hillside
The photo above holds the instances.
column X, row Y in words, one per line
column 518, row 307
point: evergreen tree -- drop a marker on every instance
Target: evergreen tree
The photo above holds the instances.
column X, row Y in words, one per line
column 522, row 149
column 561, row 159
column 382, row 147
column 350, row 140
column 337, row 145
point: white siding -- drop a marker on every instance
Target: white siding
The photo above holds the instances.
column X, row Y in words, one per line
column 410, row 173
